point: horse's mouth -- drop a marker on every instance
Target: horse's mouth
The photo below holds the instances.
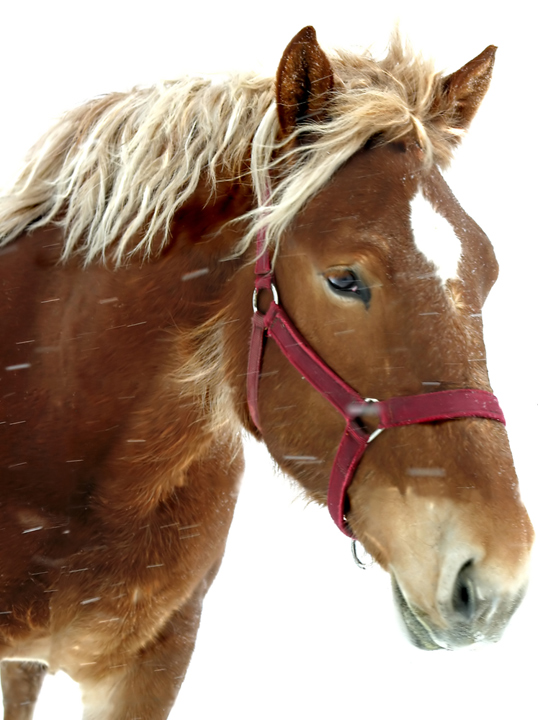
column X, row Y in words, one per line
column 419, row 633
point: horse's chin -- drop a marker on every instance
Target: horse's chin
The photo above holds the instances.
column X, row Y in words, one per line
column 417, row 630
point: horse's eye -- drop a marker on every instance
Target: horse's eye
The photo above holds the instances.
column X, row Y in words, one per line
column 348, row 283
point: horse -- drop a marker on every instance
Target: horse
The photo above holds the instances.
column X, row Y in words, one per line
column 184, row 263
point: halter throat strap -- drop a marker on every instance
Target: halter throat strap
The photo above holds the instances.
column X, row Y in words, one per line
column 394, row 412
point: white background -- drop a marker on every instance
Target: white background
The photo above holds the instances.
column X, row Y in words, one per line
column 291, row 628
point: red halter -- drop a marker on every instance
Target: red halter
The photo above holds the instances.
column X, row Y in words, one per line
column 394, row 412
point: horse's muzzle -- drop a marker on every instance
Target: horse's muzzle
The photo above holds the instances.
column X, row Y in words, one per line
column 471, row 616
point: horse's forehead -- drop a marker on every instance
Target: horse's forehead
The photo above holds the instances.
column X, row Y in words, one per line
column 447, row 236
column 377, row 181
column 435, row 235
column 365, row 200
column 386, row 197
column 370, row 192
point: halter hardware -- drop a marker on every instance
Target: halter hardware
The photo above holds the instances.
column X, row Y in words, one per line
column 256, row 293
column 393, row 412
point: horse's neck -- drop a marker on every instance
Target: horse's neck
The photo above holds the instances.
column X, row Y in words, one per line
column 120, row 353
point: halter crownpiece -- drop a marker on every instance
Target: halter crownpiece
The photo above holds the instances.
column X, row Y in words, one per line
column 393, row 412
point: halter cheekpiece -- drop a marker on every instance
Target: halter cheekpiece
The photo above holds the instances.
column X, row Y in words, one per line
column 393, row 412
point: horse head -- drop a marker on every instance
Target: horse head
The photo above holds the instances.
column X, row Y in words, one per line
column 384, row 275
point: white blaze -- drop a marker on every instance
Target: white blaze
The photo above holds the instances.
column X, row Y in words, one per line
column 435, row 237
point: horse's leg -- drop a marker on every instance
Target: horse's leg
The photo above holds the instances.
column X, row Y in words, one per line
column 21, row 683
column 147, row 687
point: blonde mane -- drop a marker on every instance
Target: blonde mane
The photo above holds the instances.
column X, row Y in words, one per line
column 113, row 172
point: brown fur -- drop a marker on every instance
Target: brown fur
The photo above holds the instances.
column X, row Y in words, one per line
column 123, row 391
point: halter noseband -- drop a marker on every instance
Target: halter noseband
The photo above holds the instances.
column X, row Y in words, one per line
column 394, row 412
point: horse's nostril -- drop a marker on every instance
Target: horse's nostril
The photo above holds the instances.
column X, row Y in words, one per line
column 464, row 595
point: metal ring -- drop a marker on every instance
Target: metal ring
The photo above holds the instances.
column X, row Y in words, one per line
column 358, row 561
column 379, row 430
column 375, row 434
column 255, row 297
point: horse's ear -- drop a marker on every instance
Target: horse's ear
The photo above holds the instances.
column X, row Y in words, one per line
column 304, row 81
column 462, row 92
